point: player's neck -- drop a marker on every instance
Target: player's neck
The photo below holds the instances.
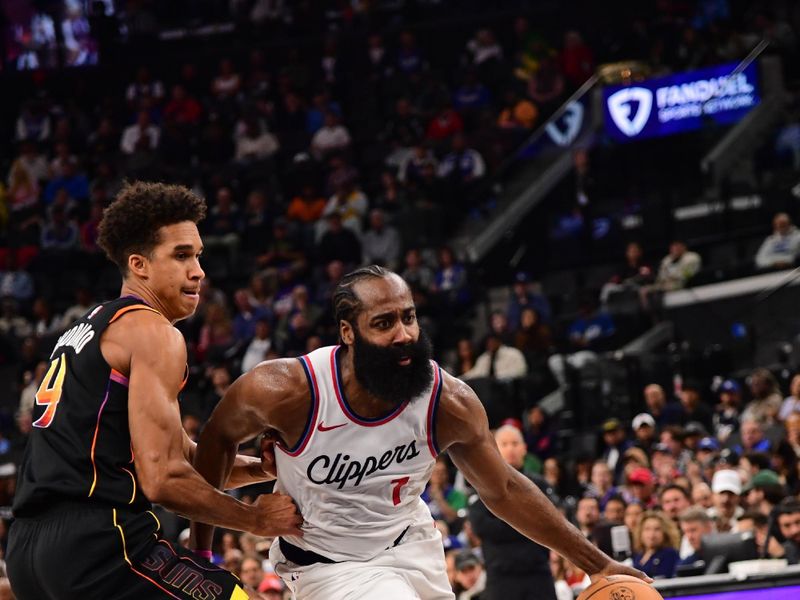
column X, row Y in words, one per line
column 145, row 295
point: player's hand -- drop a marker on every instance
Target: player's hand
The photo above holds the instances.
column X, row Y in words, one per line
column 268, row 455
column 615, row 568
column 276, row 514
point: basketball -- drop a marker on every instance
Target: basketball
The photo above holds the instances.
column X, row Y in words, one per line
column 620, row 587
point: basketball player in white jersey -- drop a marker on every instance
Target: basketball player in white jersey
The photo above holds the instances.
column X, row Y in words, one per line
column 358, row 427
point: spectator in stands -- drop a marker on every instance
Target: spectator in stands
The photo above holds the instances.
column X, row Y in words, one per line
column 59, row 233
column 251, row 574
column 443, row 499
column 753, row 440
column 257, row 223
column 470, row 577
column 641, row 486
column 402, row 131
column 546, row 85
column 410, row 170
column 533, row 338
column 409, row 59
column 255, row 144
column 587, row 514
column 31, row 160
column 445, row 124
column 183, row 108
column 227, row 83
column 674, row 500
column 381, row 243
column 11, row 322
column 450, row 282
column 656, row 541
column 392, row 198
column 766, row 397
column 527, row 293
column 498, row 361
column 307, row 207
column 84, row 300
column 763, row 491
column 587, row 335
column 223, row 224
column 602, row 483
column 540, row 434
column 664, row 412
column 792, row 425
column 692, row 406
column 339, row 243
column 633, row 275
column 70, row 180
column 677, row 268
column 779, row 250
column 349, row 202
column 247, row 317
column 331, row 138
column 45, row 320
column 471, row 96
column 15, row 282
column 726, row 413
column 33, row 123
column 791, row 404
column 577, row 61
column 694, row 524
column 418, row 275
column 644, row 430
column 727, row 488
column 462, row 167
column 144, row 87
column 514, row 564
column 789, row 524
column 216, row 334
column 615, row 443
column 614, row 511
column 518, row 115
column 702, row 495
column 141, row 137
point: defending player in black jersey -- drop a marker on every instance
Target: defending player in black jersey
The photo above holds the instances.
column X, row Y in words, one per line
column 107, row 437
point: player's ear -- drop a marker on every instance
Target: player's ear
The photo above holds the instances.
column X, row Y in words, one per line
column 137, row 264
column 346, row 333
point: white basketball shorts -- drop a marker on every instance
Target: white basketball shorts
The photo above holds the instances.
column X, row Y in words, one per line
column 412, row 570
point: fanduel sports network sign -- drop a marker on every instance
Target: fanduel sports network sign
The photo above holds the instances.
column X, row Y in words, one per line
column 680, row 102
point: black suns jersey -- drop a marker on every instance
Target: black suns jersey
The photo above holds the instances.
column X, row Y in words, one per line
column 79, row 448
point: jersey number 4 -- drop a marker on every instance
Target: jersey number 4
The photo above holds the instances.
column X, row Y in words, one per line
column 49, row 392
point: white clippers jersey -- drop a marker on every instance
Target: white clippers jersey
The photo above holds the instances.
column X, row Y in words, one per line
column 357, row 481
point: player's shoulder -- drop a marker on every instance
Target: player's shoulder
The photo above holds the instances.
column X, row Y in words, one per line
column 146, row 333
column 461, row 415
column 281, row 375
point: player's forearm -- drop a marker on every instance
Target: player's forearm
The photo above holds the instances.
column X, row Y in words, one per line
column 530, row 512
column 182, row 491
column 246, row 471
column 214, row 461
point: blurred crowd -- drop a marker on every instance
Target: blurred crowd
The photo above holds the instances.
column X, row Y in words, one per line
column 317, row 159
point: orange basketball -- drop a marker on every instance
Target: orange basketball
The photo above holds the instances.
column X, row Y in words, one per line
column 620, row 587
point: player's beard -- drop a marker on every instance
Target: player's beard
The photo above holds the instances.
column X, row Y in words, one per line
column 378, row 368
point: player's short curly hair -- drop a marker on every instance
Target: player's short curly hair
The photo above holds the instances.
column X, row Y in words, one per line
column 130, row 224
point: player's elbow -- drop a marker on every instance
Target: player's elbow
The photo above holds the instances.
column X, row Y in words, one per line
column 159, row 482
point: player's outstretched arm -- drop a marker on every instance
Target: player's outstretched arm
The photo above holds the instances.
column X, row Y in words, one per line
column 261, row 399
column 463, row 430
column 165, row 475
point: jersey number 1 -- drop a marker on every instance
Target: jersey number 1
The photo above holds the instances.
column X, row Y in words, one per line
column 49, row 392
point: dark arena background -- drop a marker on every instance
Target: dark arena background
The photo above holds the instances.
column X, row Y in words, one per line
column 592, row 202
